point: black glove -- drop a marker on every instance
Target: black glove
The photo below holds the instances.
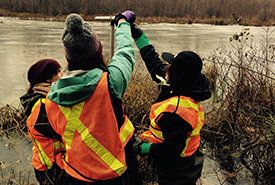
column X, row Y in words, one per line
column 136, row 31
column 137, row 145
column 117, row 18
column 128, row 15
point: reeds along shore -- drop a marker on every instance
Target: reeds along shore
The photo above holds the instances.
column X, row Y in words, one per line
column 219, row 12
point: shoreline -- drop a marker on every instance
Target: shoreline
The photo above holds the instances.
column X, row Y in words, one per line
column 151, row 20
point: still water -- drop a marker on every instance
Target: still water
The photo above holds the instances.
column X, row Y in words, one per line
column 23, row 42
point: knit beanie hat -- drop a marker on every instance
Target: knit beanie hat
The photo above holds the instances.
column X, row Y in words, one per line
column 42, row 71
column 83, row 49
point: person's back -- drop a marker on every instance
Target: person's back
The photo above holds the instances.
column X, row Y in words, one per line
column 176, row 117
column 85, row 107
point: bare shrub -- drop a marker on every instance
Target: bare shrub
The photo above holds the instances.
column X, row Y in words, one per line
column 12, row 119
column 242, row 125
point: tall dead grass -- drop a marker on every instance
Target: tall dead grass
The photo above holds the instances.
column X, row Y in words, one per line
column 241, row 126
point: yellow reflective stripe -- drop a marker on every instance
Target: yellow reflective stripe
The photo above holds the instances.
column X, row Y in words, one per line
column 43, row 100
column 196, row 131
column 73, row 123
column 42, row 155
column 33, row 107
column 157, row 133
column 126, row 131
column 161, row 108
column 72, row 117
column 36, row 103
column 57, row 145
column 188, row 104
column 185, row 148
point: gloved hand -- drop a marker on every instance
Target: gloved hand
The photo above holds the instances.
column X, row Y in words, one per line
column 145, row 148
column 128, row 15
column 137, row 145
column 136, row 31
column 140, row 147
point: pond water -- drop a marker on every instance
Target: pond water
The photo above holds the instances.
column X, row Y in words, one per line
column 15, row 160
column 23, row 42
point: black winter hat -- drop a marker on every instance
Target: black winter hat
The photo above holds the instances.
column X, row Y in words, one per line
column 188, row 62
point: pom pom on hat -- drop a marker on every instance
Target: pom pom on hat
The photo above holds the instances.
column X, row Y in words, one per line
column 74, row 23
column 42, row 71
column 82, row 46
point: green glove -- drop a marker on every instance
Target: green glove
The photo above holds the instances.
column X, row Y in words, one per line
column 145, row 148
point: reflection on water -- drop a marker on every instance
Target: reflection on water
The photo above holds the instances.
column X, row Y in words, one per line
column 23, row 42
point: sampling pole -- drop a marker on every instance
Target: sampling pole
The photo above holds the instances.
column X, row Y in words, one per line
column 112, row 34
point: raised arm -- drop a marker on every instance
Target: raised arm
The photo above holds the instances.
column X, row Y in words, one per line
column 122, row 64
column 148, row 53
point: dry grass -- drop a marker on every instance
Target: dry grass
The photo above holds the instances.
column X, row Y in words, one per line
column 242, row 125
column 11, row 119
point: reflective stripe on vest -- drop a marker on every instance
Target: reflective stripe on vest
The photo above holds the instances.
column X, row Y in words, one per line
column 44, row 148
column 94, row 145
column 126, row 131
column 187, row 109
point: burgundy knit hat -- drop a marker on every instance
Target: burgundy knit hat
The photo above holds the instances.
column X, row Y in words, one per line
column 42, row 71
column 83, row 49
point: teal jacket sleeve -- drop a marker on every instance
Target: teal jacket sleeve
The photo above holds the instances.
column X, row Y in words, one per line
column 122, row 64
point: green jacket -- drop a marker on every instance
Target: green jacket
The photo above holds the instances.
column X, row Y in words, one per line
column 74, row 89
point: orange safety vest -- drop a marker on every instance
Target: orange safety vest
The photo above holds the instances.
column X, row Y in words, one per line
column 46, row 151
column 188, row 109
column 94, row 145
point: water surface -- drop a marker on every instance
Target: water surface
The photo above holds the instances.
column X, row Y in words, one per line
column 23, row 42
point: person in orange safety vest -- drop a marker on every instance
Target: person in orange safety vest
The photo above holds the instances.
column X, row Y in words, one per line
column 85, row 106
column 177, row 116
column 47, row 144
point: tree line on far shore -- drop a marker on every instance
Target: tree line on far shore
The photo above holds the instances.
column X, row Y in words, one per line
column 259, row 9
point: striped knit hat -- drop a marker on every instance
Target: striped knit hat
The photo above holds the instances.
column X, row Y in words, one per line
column 83, row 49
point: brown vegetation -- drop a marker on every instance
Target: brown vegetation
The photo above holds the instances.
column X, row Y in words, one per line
column 12, row 119
column 241, row 124
column 256, row 12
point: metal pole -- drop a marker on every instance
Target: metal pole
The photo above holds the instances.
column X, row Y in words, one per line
column 112, row 34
